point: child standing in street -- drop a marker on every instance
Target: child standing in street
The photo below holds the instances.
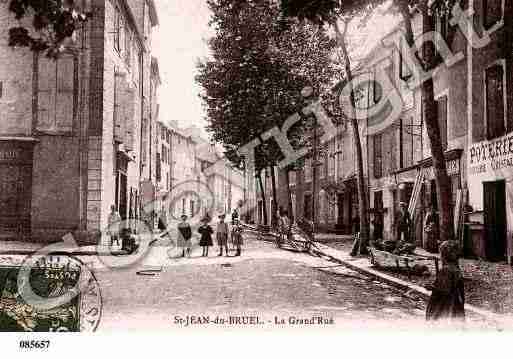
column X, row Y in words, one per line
column 222, row 235
column 237, row 237
column 185, row 234
column 206, row 236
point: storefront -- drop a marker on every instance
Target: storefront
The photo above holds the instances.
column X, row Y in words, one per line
column 428, row 195
column 347, row 206
column 15, row 188
column 490, row 181
column 416, row 187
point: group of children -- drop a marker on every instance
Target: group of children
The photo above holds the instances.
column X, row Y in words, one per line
column 206, row 231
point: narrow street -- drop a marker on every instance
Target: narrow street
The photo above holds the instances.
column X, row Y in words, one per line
column 264, row 282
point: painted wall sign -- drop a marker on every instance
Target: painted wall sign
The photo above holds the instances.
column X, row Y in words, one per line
column 16, row 152
column 491, row 155
column 9, row 155
column 453, row 168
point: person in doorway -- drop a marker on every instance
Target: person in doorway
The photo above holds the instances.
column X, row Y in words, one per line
column 185, row 235
column 284, row 227
column 431, row 230
column 447, row 301
column 222, row 235
column 205, row 230
column 377, row 230
column 237, row 238
column 356, row 225
column 114, row 221
column 161, row 224
column 377, row 224
column 128, row 241
column 403, row 223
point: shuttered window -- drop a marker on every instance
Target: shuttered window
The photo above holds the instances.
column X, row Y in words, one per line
column 292, row 177
column 119, row 102
column 492, row 12
column 124, row 112
column 130, row 120
column 144, row 141
column 378, row 156
column 308, row 170
column 158, row 167
column 495, row 125
column 117, row 29
column 128, row 46
column 377, row 90
column 57, row 82
column 442, row 120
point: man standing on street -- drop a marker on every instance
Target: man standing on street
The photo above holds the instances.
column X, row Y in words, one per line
column 114, row 221
column 403, row 223
column 235, row 216
column 222, row 235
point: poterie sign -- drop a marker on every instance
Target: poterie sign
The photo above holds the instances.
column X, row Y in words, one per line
column 491, row 156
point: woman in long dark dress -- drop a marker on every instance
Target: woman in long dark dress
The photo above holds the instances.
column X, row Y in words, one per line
column 447, row 301
column 206, row 236
column 185, row 234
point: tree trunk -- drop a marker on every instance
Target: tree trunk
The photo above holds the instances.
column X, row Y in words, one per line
column 262, row 195
column 274, row 220
column 290, row 211
column 362, row 190
column 430, row 112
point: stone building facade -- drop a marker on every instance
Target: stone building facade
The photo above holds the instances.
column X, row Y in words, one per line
column 71, row 139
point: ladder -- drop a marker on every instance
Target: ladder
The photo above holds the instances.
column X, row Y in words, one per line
column 419, row 179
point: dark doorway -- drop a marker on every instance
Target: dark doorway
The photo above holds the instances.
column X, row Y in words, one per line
column 495, row 219
column 15, row 190
column 434, row 199
column 122, row 196
column 308, row 206
column 260, row 212
column 340, row 205
column 378, row 215
column 15, row 199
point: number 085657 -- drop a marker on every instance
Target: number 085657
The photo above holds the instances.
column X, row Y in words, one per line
column 34, row 344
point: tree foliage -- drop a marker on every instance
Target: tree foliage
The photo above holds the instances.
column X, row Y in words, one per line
column 254, row 78
column 54, row 22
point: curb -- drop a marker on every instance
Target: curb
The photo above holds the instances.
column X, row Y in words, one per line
column 425, row 294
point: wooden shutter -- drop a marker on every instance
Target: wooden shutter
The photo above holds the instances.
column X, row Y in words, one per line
column 442, row 120
column 494, row 102
column 64, row 102
column 119, row 107
column 129, row 118
column 378, row 161
column 158, row 167
column 46, row 93
column 492, row 10
column 377, row 90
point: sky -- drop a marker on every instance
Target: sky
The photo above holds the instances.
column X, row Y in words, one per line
column 178, row 42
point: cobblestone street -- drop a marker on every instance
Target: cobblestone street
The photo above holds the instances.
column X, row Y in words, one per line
column 264, row 282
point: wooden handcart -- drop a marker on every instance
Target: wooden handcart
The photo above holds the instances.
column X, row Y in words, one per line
column 407, row 262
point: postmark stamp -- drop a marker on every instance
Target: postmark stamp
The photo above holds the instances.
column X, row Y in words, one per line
column 51, row 293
